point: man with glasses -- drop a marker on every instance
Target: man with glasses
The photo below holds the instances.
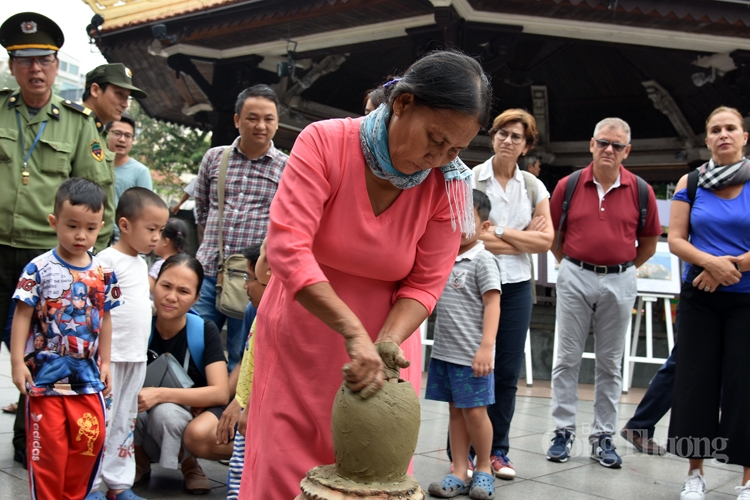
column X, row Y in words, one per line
column 253, row 172
column 45, row 140
column 129, row 172
column 107, row 90
column 596, row 248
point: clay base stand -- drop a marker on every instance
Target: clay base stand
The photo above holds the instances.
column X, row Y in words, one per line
column 323, row 483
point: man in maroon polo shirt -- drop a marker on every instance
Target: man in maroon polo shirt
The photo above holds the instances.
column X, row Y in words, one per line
column 597, row 280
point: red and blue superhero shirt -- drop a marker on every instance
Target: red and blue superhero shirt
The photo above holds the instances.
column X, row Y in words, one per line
column 69, row 303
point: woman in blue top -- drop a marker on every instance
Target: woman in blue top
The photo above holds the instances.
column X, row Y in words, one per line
column 712, row 370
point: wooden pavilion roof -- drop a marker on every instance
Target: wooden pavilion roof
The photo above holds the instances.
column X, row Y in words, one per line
column 593, row 58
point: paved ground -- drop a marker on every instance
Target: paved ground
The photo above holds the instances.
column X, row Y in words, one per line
column 581, row 478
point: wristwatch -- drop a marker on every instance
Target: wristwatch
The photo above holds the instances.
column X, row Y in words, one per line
column 499, row 231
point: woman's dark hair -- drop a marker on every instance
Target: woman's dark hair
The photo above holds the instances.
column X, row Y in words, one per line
column 376, row 96
column 447, row 79
column 176, row 230
column 183, row 259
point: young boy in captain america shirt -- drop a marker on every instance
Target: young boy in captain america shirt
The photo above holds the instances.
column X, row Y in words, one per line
column 65, row 295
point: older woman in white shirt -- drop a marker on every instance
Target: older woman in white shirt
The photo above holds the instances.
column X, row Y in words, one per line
column 517, row 231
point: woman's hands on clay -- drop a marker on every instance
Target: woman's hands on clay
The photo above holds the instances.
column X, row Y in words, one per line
column 483, row 359
column 225, row 428
column 365, row 372
column 724, row 270
column 393, row 358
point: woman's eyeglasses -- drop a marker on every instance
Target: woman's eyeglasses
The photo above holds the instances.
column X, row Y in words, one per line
column 617, row 146
column 514, row 138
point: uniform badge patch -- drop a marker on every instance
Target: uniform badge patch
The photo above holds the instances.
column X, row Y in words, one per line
column 128, row 72
column 96, row 151
column 28, row 28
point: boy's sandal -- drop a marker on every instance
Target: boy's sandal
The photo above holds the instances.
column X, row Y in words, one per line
column 11, row 408
column 482, row 486
column 449, row 487
column 125, row 495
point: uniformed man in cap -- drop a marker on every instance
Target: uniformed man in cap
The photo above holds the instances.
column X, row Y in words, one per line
column 46, row 141
column 107, row 90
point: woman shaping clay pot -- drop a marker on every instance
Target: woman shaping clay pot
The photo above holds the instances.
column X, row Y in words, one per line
column 364, row 230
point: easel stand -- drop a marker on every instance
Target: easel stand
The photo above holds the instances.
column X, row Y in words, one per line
column 631, row 347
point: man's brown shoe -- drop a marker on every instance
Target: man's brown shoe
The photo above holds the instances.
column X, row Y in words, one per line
column 196, row 481
column 644, row 445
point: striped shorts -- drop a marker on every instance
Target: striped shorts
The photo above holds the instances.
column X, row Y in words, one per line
column 234, row 475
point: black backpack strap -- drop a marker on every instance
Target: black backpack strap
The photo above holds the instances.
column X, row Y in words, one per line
column 692, row 190
column 692, row 185
column 569, row 188
column 642, row 202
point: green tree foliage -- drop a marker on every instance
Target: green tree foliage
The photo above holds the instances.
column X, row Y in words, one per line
column 168, row 150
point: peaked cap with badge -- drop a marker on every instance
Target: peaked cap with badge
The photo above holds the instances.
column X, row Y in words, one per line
column 29, row 34
column 116, row 74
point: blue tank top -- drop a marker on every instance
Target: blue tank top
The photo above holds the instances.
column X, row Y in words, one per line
column 720, row 227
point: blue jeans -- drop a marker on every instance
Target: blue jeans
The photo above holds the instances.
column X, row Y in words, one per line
column 206, row 309
column 658, row 398
column 515, row 317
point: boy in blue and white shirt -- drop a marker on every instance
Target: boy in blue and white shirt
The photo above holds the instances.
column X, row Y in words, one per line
column 460, row 370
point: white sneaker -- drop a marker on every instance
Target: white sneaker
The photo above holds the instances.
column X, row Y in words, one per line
column 744, row 491
column 695, row 487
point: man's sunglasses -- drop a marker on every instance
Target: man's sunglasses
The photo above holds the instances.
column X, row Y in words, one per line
column 617, row 146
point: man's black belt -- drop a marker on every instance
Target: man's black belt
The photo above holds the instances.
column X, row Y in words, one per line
column 616, row 269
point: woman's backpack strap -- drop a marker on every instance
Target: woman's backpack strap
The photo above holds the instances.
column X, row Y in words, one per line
column 196, row 340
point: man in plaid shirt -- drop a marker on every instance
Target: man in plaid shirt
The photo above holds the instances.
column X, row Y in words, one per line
column 253, row 174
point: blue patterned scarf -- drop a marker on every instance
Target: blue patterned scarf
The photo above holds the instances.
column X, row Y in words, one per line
column 373, row 135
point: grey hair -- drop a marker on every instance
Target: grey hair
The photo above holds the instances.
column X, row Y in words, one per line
column 530, row 160
column 615, row 123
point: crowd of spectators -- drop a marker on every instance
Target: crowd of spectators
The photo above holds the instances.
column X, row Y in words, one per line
column 90, row 322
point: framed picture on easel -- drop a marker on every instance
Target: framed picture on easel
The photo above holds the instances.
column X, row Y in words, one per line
column 661, row 273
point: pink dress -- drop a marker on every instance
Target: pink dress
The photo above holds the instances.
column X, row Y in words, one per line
column 323, row 229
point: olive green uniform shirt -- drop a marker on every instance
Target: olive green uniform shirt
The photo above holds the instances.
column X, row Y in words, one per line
column 70, row 146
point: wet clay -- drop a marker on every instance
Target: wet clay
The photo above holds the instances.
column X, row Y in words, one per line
column 324, row 483
column 375, row 438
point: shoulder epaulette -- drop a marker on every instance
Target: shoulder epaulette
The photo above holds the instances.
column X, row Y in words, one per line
column 5, row 90
column 98, row 123
column 78, row 107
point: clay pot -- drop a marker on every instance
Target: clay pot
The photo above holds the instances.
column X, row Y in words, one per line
column 374, row 439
